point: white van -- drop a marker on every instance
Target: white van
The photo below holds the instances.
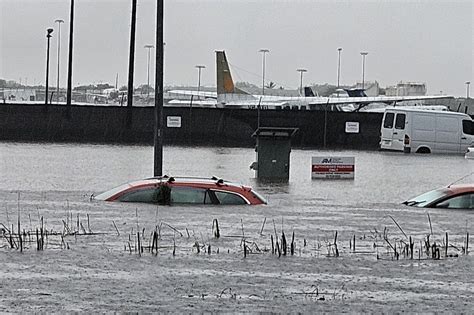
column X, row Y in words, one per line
column 426, row 131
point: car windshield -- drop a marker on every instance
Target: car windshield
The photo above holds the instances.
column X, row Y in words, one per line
column 427, row 198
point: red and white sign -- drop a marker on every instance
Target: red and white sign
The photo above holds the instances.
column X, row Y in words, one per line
column 333, row 167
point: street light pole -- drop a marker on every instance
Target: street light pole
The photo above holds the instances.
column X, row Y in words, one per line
column 301, row 71
column 467, row 88
column 149, row 47
column 363, row 54
column 59, row 21
column 199, row 67
column 263, row 51
column 69, row 71
column 48, row 36
column 338, row 65
column 338, row 68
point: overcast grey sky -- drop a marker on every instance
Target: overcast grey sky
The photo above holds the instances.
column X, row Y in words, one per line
column 422, row 41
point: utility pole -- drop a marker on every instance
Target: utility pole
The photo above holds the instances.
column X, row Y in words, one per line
column 69, row 71
column 158, row 132
column 131, row 60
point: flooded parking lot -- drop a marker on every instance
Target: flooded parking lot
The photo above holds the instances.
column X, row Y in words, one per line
column 91, row 259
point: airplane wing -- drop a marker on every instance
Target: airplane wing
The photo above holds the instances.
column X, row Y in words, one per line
column 253, row 104
column 187, row 103
column 373, row 99
column 203, row 94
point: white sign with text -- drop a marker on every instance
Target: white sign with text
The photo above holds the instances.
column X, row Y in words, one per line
column 352, row 127
column 173, row 121
column 332, row 167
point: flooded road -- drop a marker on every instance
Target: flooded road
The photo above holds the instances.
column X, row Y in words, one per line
column 91, row 260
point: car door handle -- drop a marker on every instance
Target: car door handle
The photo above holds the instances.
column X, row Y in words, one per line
column 395, row 133
column 463, row 138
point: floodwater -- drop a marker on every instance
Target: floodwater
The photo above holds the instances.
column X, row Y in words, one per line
column 90, row 261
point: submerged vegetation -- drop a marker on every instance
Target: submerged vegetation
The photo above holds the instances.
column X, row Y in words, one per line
column 164, row 238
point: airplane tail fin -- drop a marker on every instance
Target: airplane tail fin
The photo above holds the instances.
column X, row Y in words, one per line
column 225, row 84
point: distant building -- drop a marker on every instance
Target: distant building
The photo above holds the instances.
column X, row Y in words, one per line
column 406, row 89
column 18, row 94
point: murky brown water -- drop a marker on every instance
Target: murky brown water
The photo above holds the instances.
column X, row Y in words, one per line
column 98, row 272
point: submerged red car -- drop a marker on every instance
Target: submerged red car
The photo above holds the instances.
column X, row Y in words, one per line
column 184, row 190
column 450, row 197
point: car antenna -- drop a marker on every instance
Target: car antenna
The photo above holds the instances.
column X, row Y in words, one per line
column 460, row 179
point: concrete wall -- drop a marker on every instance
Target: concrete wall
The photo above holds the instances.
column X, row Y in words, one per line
column 199, row 126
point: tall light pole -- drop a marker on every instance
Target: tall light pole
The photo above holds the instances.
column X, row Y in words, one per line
column 59, row 21
column 338, row 65
column 363, row 54
column 199, row 67
column 48, row 36
column 301, row 71
column 149, row 48
column 338, row 68
column 263, row 51
column 69, row 71
column 467, row 88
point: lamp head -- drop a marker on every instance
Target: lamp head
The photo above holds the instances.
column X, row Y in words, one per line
column 49, row 31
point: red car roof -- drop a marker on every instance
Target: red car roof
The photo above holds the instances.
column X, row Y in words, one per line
column 195, row 182
column 460, row 188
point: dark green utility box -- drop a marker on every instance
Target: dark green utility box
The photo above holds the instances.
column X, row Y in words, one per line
column 273, row 153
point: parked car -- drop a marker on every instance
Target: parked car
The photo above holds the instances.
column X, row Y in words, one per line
column 183, row 190
column 450, row 197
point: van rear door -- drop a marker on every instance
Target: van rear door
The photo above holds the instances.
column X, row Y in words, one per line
column 393, row 131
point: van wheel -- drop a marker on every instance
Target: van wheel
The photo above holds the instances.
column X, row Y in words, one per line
column 423, row 150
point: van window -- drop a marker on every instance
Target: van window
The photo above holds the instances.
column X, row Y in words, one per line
column 400, row 121
column 388, row 122
column 468, row 127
